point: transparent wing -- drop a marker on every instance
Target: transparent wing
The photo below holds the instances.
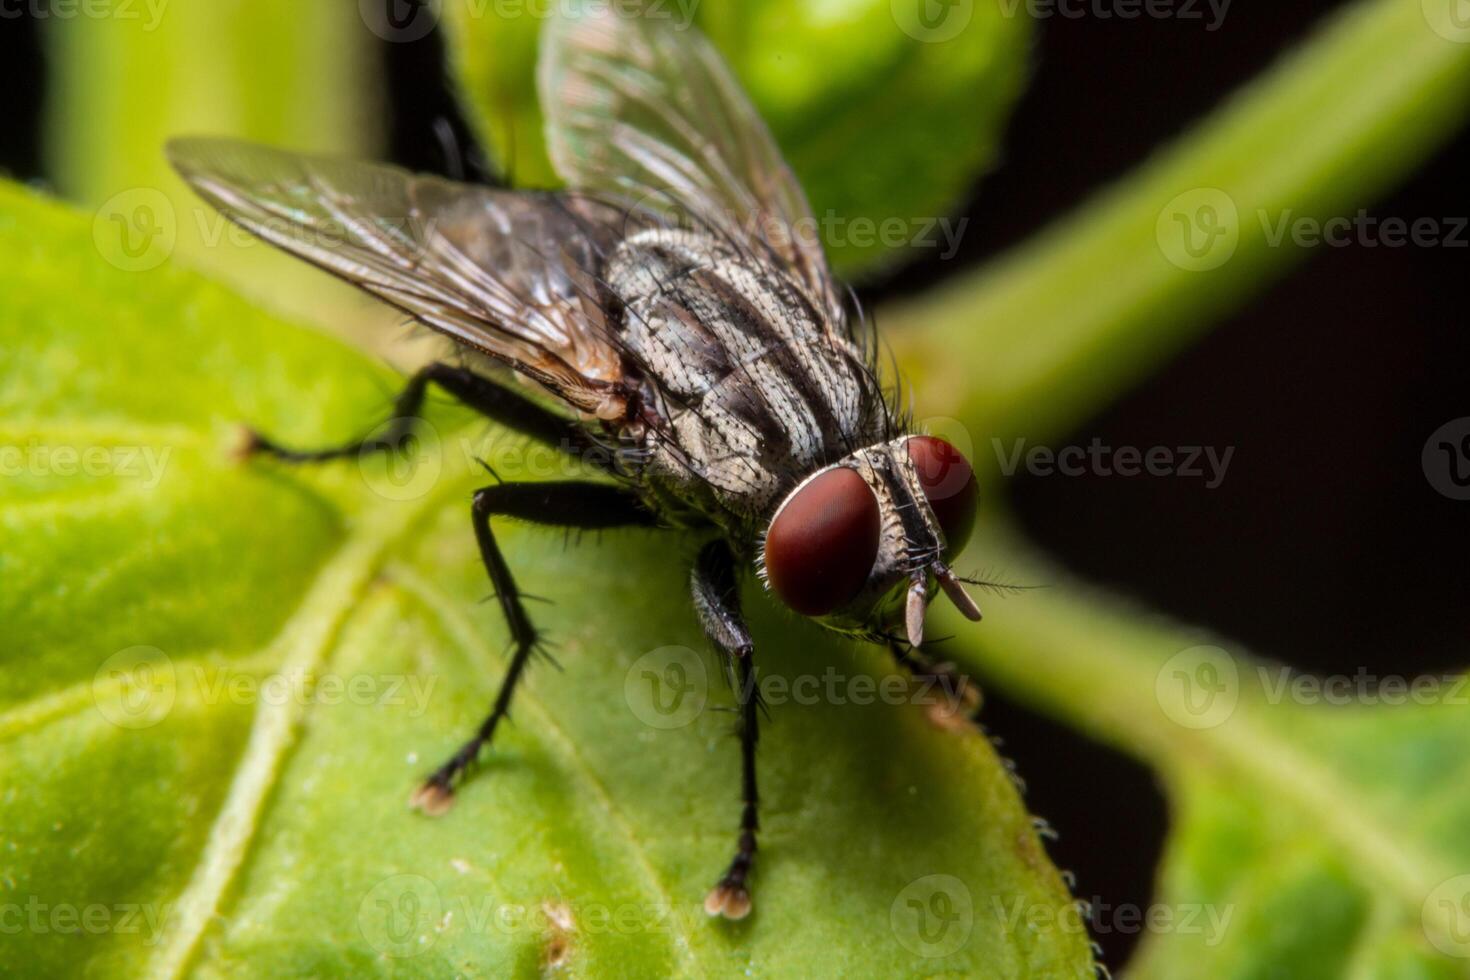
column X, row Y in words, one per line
column 637, row 109
column 511, row 275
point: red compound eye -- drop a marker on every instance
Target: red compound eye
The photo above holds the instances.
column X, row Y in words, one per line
column 823, row 542
column 949, row 483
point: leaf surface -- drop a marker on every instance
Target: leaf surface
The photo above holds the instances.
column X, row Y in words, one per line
column 221, row 682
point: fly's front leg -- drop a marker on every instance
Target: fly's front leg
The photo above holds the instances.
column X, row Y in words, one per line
column 717, row 602
column 495, row 401
column 951, row 699
column 586, row 506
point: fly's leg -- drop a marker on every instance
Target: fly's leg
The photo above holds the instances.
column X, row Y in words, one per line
column 587, row 506
column 951, row 699
column 717, row 602
column 495, row 401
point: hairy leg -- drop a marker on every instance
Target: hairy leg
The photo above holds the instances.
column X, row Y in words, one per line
column 717, row 602
column 495, row 401
column 588, row 506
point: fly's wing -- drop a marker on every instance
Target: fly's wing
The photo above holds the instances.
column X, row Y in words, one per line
column 511, row 275
column 638, row 110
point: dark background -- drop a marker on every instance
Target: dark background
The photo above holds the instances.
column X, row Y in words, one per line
column 1325, row 547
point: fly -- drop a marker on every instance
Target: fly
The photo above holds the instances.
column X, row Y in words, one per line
column 675, row 303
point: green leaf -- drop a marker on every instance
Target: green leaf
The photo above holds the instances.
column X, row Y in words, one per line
column 1317, row 823
column 221, row 681
column 1033, row 343
column 887, row 122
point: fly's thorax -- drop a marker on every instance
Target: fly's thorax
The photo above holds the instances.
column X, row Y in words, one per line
column 755, row 388
column 869, row 536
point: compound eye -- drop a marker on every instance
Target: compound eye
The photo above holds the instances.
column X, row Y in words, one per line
column 949, row 484
column 823, row 542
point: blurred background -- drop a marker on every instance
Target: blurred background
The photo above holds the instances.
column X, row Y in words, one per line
column 1326, row 386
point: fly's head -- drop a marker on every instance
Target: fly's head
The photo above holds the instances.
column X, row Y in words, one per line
column 860, row 545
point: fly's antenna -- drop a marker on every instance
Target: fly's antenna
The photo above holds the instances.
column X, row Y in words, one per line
column 989, row 582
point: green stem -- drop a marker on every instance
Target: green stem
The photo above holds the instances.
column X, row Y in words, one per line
column 1037, row 341
column 1070, row 652
column 1189, row 705
column 296, row 75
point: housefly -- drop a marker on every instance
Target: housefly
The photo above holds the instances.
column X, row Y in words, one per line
column 680, row 328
